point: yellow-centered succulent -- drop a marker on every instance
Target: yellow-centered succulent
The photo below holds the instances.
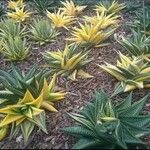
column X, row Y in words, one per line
column 70, row 9
column 25, row 109
column 24, row 116
column 15, row 4
column 133, row 73
column 90, row 35
column 110, row 7
column 19, row 15
column 60, row 20
column 68, row 62
column 103, row 20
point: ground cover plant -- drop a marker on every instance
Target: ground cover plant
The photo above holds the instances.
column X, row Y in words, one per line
column 55, row 54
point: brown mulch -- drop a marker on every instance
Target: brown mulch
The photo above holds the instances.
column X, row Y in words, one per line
column 79, row 92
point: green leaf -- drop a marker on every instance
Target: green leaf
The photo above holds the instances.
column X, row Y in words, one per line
column 39, row 120
column 135, row 109
column 86, row 143
column 135, row 129
column 129, row 137
column 27, row 128
column 140, row 121
column 109, row 110
column 120, row 136
column 7, row 77
column 81, row 119
column 31, row 72
column 124, row 104
column 118, row 89
column 79, row 131
column 7, row 95
column 14, row 131
column 16, row 73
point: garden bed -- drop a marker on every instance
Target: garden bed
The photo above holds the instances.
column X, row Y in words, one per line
column 78, row 92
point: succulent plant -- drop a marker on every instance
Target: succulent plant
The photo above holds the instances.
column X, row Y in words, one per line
column 133, row 73
column 68, row 63
column 104, row 125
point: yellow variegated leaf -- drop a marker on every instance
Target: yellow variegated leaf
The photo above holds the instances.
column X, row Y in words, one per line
column 27, row 98
column 140, row 85
column 147, row 58
column 74, row 61
column 45, row 90
column 49, row 107
column 63, row 62
column 3, row 132
column 10, row 119
column 73, row 75
column 29, row 113
column 55, row 55
column 124, row 60
column 56, row 96
column 129, row 88
column 37, row 102
column 84, row 74
column 66, row 51
column 50, row 103
column 7, row 110
column 146, row 70
column 131, row 85
column 20, row 121
column 135, row 83
column 113, row 71
column 36, row 111
column 143, row 78
column 52, row 84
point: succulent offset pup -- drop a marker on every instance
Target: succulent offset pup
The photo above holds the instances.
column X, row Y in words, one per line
column 133, row 73
column 104, row 125
column 19, row 15
column 68, row 63
column 60, row 20
column 70, row 8
column 15, row 4
column 109, row 7
column 24, row 115
column 17, row 83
